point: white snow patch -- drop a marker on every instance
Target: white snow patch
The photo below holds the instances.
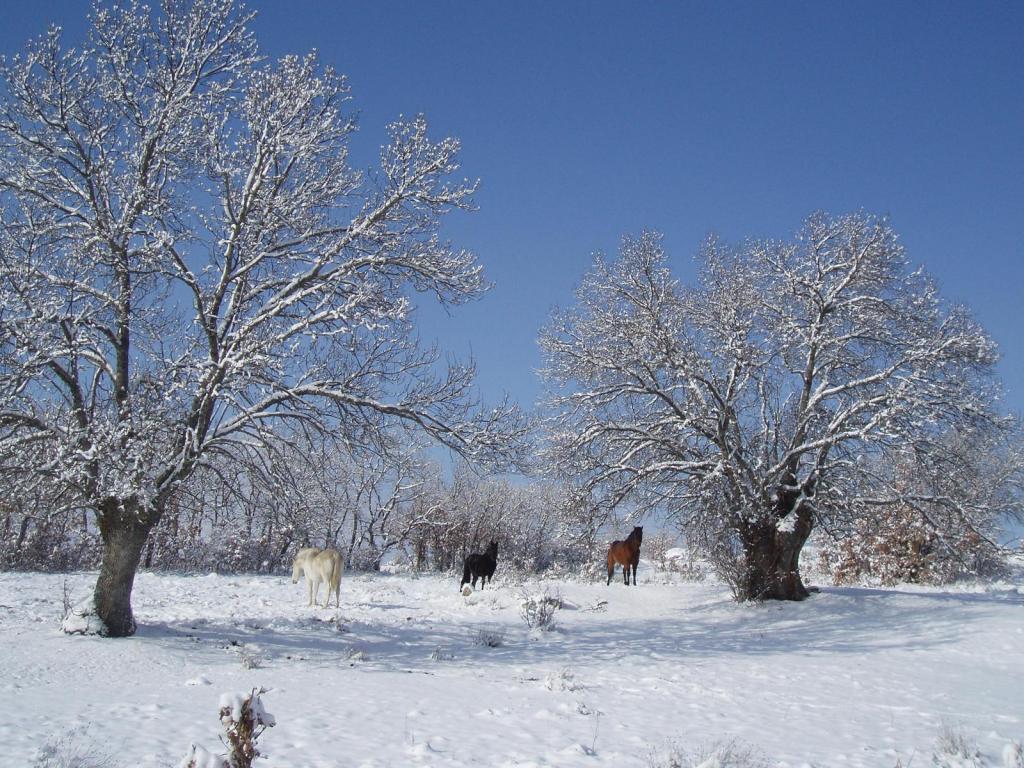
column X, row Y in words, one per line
column 786, row 524
column 199, row 757
column 82, row 619
column 233, row 703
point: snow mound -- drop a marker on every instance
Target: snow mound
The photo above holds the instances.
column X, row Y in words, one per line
column 562, row 680
column 199, row 757
column 231, row 704
column 1013, row 755
column 82, row 619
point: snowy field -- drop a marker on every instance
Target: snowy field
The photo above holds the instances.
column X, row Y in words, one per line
column 399, row 676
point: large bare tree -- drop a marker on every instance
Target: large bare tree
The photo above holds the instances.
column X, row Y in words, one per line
column 746, row 404
column 187, row 257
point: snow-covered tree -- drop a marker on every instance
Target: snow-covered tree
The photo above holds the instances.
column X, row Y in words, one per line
column 187, row 257
column 746, row 405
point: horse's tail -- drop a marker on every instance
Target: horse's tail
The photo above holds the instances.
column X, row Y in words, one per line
column 466, row 577
column 611, row 566
column 337, row 568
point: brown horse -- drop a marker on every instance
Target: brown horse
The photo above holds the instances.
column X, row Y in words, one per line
column 626, row 553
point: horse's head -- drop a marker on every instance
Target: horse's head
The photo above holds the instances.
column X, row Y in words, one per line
column 638, row 531
column 296, row 570
column 493, row 547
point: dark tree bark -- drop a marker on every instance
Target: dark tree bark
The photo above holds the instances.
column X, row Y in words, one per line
column 772, row 550
column 280, row 554
column 421, row 553
column 22, row 533
column 773, row 562
column 149, row 553
column 124, row 528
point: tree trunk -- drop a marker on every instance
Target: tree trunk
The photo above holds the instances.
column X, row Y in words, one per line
column 22, row 533
column 124, row 535
column 149, row 553
column 773, row 560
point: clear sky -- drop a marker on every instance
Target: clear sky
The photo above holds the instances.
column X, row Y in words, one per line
column 588, row 120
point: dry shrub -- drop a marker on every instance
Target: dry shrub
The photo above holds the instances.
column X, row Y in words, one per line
column 901, row 546
column 538, row 611
column 244, row 721
column 727, row 754
column 953, row 749
column 489, row 638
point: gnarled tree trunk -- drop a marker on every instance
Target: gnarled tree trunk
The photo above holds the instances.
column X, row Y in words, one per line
column 772, row 553
column 124, row 529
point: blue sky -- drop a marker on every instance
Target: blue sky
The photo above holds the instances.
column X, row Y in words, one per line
column 586, row 121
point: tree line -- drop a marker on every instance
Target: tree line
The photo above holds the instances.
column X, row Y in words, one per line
column 402, row 511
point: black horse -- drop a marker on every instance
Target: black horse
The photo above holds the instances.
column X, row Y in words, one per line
column 479, row 566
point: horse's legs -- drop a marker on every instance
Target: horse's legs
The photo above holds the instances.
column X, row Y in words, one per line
column 625, row 574
column 309, row 589
column 634, row 574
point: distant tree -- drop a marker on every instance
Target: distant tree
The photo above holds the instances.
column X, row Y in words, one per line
column 187, row 258
column 538, row 523
column 745, row 405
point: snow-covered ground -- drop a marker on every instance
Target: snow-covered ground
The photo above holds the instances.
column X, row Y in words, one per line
column 399, row 676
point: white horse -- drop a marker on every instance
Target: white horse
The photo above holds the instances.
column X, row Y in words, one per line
column 319, row 565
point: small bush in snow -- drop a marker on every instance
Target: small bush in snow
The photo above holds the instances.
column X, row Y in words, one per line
column 953, row 749
column 72, row 750
column 490, row 638
column 355, row 654
column 251, row 661
column 562, row 680
column 538, row 611
column 683, row 559
column 729, row 754
column 244, row 720
column 685, row 562
column 439, row 654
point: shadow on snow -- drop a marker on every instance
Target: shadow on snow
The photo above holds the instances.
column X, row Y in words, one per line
column 851, row 620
